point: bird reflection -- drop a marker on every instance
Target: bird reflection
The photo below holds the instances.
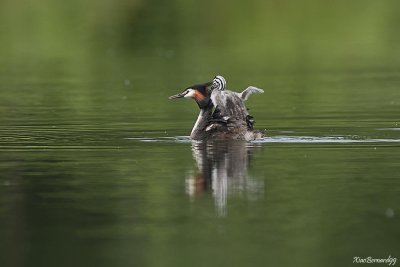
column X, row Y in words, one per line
column 222, row 169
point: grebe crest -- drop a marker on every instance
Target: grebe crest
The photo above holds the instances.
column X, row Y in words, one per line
column 218, row 83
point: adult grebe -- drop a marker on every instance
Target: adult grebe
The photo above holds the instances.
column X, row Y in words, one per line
column 229, row 119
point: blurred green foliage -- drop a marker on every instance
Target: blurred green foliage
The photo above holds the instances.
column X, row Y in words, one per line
column 198, row 36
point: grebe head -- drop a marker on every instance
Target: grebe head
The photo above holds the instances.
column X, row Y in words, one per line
column 199, row 92
column 218, row 83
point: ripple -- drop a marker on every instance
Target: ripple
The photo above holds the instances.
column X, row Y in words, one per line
column 282, row 139
column 389, row 129
column 323, row 139
column 175, row 139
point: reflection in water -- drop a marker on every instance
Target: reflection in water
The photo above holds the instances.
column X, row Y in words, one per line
column 222, row 168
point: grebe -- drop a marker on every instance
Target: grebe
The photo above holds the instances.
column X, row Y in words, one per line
column 229, row 119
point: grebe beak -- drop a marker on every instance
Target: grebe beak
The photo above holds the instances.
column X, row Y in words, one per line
column 188, row 93
column 180, row 95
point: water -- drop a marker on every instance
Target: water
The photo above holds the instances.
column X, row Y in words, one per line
column 111, row 187
column 97, row 168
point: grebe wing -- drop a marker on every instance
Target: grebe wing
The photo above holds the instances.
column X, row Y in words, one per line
column 250, row 90
column 229, row 104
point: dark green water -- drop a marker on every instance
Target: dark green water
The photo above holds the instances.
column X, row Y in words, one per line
column 96, row 167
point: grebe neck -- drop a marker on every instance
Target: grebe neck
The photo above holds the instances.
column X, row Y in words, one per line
column 203, row 119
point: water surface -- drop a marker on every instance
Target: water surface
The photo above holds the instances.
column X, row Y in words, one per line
column 110, row 187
